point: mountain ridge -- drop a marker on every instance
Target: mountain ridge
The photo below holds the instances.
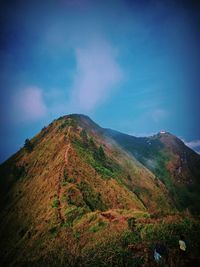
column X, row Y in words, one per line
column 73, row 182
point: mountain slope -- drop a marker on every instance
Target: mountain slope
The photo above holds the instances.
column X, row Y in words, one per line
column 176, row 165
column 69, row 189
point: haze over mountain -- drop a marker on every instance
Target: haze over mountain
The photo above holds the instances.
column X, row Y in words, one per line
column 76, row 185
column 175, row 164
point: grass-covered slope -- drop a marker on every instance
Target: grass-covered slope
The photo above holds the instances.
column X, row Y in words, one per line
column 72, row 197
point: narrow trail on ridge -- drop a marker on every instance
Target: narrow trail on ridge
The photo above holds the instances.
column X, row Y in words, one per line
column 66, row 154
column 61, row 215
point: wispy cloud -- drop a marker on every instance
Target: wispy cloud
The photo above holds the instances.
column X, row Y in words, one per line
column 97, row 75
column 28, row 104
column 195, row 145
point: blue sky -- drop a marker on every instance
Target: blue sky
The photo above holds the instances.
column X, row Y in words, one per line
column 133, row 66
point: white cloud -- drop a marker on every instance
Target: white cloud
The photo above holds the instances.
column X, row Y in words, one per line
column 28, row 104
column 195, row 145
column 96, row 76
column 145, row 134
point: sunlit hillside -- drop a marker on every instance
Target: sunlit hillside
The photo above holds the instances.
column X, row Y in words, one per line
column 74, row 195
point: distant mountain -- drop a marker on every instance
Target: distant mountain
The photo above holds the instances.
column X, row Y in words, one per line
column 76, row 183
column 172, row 162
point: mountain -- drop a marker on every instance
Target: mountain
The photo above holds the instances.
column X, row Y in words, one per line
column 77, row 190
column 171, row 161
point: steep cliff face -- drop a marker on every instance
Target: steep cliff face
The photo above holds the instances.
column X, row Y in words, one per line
column 71, row 181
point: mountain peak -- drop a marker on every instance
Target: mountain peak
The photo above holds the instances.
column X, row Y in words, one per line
column 74, row 116
column 81, row 120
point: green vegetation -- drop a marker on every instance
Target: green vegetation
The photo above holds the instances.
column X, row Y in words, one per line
column 88, row 218
column 161, row 159
column 124, row 248
column 132, row 223
column 28, row 145
column 66, row 178
column 53, row 230
column 110, row 253
column 65, row 123
column 91, row 198
column 140, row 147
column 188, row 197
column 155, row 153
column 116, row 252
column 74, row 197
column 64, row 183
column 99, row 155
column 92, row 144
column 106, row 173
column 65, row 175
column 55, row 203
column 71, row 180
column 73, row 214
column 128, row 238
column 84, row 138
column 96, row 157
column 70, row 229
column 73, row 123
column 139, row 191
column 168, row 232
column 44, row 131
column 98, row 226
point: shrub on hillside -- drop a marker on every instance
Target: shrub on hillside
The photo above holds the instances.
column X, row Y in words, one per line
column 132, row 223
column 74, row 197
column 55, row 203
column 65, row 175
column 91, row 198
column 28, row 145
column 84, row 137
column 73, row 214
column 99, row 154
column 92, row 144
column 98, row 226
